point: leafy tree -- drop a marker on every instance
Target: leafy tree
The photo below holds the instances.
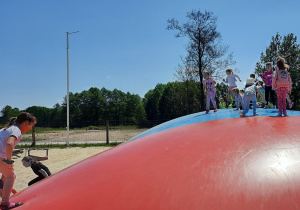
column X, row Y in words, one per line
column 151, row 103
column 168, row 105
column 282, row 46
column 221, row 92
column 7, row 112
column 179, row 99
column 106, row 114
column 42, row 114
column 90, row 104
column 56, row 117
column 204, row 50
column 134, row 111
column 97, row 106
column 140, row 114
column 191, row 91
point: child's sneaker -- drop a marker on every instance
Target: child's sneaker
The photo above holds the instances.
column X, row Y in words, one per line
column 207, row 111
column 215, row 110
column 291, row 104
column 242, row 114
column 10, row 205
column 255, row 114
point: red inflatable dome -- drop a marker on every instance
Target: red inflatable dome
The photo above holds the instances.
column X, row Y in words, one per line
column 228, row 163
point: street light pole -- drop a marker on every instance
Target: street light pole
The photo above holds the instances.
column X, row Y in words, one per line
column 68, row 108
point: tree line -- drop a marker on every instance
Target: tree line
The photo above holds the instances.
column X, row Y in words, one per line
column 96, row 106
column 90, row 106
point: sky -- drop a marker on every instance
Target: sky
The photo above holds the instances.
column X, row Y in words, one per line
column 121, row 44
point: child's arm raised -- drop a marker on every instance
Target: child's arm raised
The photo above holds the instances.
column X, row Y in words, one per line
column 238, row 77
column 262, row 76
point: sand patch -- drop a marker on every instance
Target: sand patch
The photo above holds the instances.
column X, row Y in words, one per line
column 58, row 160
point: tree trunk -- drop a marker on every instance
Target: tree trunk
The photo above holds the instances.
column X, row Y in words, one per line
column 202, row 98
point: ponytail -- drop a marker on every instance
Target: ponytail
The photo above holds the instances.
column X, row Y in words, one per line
column 11, row 122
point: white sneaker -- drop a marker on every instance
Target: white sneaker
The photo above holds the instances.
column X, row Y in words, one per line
column 242, row 114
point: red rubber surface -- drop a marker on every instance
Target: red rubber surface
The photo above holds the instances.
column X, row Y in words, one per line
column 242, row 163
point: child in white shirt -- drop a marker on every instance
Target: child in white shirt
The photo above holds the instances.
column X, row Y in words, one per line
column 231, row 79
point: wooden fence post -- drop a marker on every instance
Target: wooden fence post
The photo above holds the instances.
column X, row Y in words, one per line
column 107, row 132
column 33, row 137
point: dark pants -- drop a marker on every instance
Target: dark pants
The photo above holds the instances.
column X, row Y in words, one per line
column 269, row 91
column 35, row 180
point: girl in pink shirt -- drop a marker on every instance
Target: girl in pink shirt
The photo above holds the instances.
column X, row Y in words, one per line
column 267, row 77
column 209, row 85
column 283, row 85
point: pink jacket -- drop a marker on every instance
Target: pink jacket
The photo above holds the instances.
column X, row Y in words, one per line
column 282, row 79
column 210, row 84
column 267, row 77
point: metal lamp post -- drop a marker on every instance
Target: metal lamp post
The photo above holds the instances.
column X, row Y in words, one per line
column 68, row 108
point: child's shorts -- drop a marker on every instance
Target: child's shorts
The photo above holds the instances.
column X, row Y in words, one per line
column 231, row 87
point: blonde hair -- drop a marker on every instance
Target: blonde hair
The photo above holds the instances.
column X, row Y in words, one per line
column 281, row 63
column 206, row 72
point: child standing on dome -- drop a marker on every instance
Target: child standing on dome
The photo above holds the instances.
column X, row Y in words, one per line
column 250, row 81
column 209, row 86
column 250, row 95
column 231, row 79
column 283, row 85
column 267, row 77
column 238, row 98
